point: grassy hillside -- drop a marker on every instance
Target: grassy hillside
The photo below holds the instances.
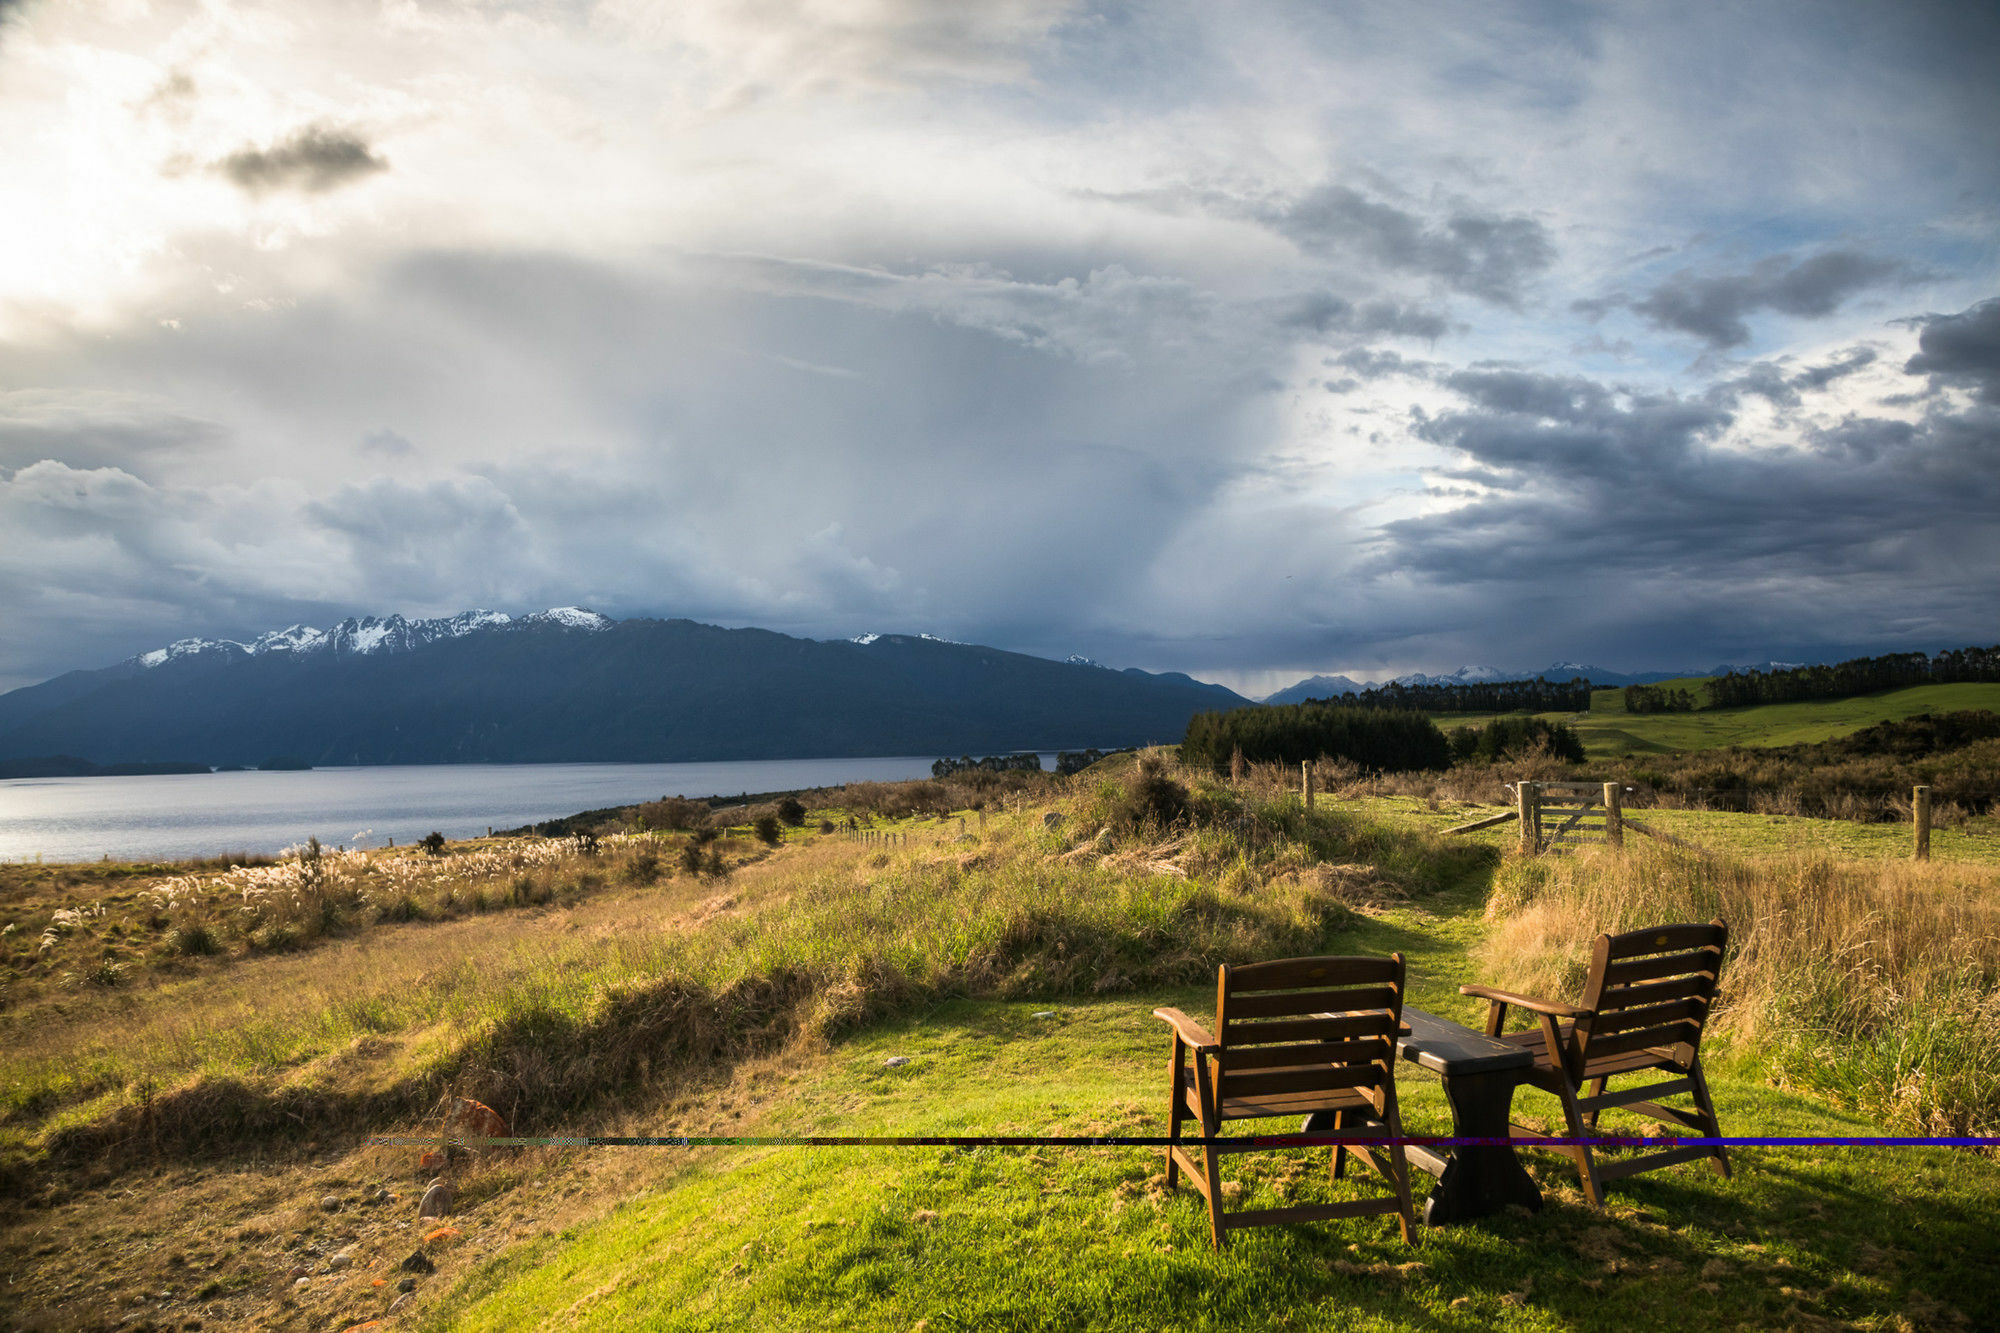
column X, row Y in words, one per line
column 181, row 1128
column 1608, row 731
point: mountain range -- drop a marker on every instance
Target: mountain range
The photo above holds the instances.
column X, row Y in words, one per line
column 1330, row 687
column 572, row 685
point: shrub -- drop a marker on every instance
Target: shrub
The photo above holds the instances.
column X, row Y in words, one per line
column 767, row 830
column 691, row 857
column 643, row 867
column 192, row 939
column 673, row 812
column 433, row 843
column 791, row 812
column 1152, row 799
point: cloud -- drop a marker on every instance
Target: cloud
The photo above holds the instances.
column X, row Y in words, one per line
column 99, row 428
column 1325, row 312
column 1715, row 308
column 1486, row 255
column 1651, row 507
column 314, row 160
column 387, row 442
column 1961, row 350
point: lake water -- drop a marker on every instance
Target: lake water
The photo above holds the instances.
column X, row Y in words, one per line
column 206, row 814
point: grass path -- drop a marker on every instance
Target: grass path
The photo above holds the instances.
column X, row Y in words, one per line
column 1086, row 1238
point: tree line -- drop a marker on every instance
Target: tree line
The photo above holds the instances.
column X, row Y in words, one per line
column 1380, row 740
column 1539, row 695
column 1656, row 699
column 1860, row 675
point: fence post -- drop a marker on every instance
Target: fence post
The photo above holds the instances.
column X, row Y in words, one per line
column 1530, row 814
column 1306, row 782
column 1921, row 814
column 1614, row 816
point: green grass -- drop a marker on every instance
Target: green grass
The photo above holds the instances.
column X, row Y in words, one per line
column 1085, row 1238
column 1608, row 731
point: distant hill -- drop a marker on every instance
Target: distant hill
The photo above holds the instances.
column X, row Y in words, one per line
column 1328, row 687
column 570, row 685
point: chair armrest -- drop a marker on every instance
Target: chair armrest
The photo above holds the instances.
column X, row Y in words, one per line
column 1553, row 1008
column 1190, row 1031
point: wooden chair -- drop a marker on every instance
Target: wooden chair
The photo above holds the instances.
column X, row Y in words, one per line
column 1295, row 1036
column 1645, row 1004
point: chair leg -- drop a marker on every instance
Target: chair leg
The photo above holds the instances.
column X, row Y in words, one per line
column 1585, row 1167
column 1339, row 1149
column 1211, row 1161
column 1174, row 1117
column 1707, row 1108
column 1399, row 1166
column 1596, row 1088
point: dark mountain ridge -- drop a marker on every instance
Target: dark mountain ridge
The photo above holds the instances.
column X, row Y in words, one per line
column 560, row 688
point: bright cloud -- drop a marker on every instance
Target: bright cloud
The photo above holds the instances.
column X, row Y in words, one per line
column 1244, row 342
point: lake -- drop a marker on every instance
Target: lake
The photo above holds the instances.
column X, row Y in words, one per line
column 207, row 814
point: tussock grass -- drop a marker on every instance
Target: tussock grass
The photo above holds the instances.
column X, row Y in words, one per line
column 828, row 935
column 1876, row 984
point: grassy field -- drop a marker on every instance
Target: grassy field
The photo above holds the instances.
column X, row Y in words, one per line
column 1609, row 732
column 188, row 1142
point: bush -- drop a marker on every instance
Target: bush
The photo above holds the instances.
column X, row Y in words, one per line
column 691, row 857
column 643, row 867
column 433, row 843
column 1153, row 799
column 192, row 939
column 791, row 812
column 672, row 812
column 767, row 830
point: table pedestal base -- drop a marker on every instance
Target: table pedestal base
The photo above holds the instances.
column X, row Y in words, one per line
column 1475, row 1180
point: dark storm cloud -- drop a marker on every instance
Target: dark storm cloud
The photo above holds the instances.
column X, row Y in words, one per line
column 1785, row 388
column 1325, row 312
column 1370, row 364
column 1714, row 308
column 314, row 159
column 1962, row 350
column 1485, row 255
column 1637, row 499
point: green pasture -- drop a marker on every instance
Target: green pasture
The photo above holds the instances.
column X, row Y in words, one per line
column 1086, row 1238
column 1609, row 732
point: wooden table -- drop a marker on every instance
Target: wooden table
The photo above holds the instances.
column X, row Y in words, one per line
column 1480, row 1075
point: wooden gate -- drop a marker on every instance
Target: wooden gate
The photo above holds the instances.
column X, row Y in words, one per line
column 1568, row 814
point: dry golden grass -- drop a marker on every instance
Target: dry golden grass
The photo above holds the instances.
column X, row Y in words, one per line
column 1874, row 982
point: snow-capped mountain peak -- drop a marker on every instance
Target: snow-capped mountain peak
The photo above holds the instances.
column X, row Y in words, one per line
column 569, row 617
column 369, row 635
column 1078, row 659
column 864, row 639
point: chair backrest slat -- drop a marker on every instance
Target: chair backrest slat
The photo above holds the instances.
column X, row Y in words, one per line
column 1649, row 988
column 1235, row 1059
column 1324, row 1078
column 1633, row 970
column 1621, row 1043
column 1609, row 1021
column 1249, row 1032
column 1305, row 973
column 1308, row 1025
column 1297, row 1003
column 1687, row 986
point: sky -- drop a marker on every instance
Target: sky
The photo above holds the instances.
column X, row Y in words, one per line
column 1252, row 341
